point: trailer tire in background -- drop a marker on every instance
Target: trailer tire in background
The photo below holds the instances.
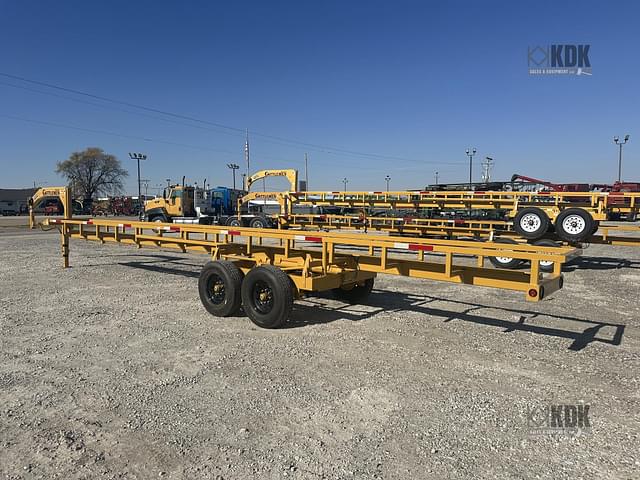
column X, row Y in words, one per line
column 574, row 225
column 547, row 267
column 219, row 286
column 267, row 296
column 259, row 222
column 355, row 294
column 505, row 262
column 531, row 223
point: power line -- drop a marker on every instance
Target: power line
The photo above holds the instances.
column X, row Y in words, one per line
column 113, row 134
column 272, row 138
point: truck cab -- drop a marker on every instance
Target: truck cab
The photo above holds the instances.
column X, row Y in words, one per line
column 177, row 201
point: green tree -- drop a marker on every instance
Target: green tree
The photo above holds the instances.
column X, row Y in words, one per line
column 92, row 172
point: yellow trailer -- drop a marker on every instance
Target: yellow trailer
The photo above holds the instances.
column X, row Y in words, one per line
column 575, row 215
column 264, row 270
column 482, row 230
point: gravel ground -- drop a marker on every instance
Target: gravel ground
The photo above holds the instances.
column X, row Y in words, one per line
column 113, row 369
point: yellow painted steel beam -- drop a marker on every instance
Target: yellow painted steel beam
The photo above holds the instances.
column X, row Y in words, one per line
column 329, row 259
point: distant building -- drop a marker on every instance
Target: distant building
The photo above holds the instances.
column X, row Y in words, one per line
column 13, row 201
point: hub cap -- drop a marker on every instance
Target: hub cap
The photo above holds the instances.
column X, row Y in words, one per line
column 574, row 224
column 503, row 259
column 217, row 291
column 262, row 297
column 530, row 222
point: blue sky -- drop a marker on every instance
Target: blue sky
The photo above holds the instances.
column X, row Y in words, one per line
column 414, row 82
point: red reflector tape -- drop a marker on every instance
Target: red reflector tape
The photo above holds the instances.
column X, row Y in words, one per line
column 458, row 222
column 479, row 193
column 313, row 239
column 234, row 232
column 127, row 225
column 174, row 229
column 544, row 193
column 90, row 221
column 424, row 248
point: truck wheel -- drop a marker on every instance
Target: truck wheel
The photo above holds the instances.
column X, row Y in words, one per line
column 267, row 296
column 546, row 267
column 258, row 222
column 354, row 293
column 574, row 225
column 505, row 262
column 233, row 222
column 219, row 287
column 159, row 219
column 531, row 223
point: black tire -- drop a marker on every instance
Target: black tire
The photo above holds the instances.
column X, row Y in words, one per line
column 505, row 262
column 632, row 216
column 267, row 296
column 546, row 267
column 219, row 287
column 596, row 226
column 159, row 219
column 356, row 293
column 574, row 225
column 531, row 223
column 233, row 222
column 258, row 222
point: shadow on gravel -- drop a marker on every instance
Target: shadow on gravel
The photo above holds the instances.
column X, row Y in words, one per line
column 600, row 263
column 416, row 303
column 162, row 264
column 384, row 300
column 314, row 312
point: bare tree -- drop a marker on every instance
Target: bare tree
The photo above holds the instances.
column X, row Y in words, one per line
column 92, row 172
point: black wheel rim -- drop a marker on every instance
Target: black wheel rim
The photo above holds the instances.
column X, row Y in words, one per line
column 262, row 297
column 216, row 289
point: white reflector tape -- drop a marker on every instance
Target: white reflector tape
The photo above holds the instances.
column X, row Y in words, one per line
column 404, row 246
column 300, row 237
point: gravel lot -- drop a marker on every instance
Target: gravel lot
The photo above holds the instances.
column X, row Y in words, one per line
column 113, row 369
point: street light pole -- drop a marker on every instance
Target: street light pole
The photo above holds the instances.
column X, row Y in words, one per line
column 617, row 141
column 387, row 179
column 436, row 178
column 470, row 153
column 345, row 181
column 138, row 157
column 233, row 168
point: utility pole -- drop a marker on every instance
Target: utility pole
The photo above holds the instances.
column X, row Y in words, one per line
column 138, row 157
column 168, row 182
column 617, row 141
column 470, row 153
column 345, row 181
column 306, row 170
column 145, row 181
column 246, row 154
column 387, row 179
column 436, row 178
column 486, row 169
column 233, row 167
